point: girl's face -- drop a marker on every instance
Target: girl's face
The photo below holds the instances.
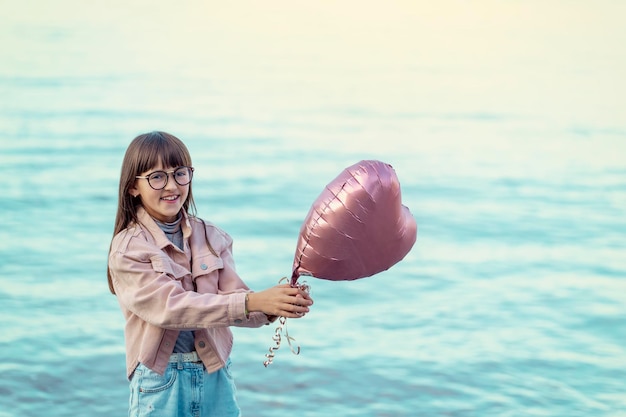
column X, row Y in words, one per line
column 165, row 204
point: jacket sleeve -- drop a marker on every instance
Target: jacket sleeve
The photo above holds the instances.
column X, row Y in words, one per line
column 230, row 283
column 150, row 286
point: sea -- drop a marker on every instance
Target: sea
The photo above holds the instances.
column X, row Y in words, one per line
column 505, row 122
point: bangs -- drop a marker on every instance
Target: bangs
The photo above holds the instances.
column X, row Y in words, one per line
column 163, row 148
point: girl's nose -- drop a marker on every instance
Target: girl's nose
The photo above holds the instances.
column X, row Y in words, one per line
column 171, row 183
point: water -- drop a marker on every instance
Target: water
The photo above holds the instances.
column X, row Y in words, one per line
column 504, row 121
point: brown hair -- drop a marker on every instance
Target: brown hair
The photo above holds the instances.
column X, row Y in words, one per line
column 144, row 153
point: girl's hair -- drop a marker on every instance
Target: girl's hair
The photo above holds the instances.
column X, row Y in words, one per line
column 145, row 152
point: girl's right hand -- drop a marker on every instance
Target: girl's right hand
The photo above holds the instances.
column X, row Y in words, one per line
column 282, row 300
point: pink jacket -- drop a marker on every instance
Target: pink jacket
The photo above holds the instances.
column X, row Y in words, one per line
column 162, row 290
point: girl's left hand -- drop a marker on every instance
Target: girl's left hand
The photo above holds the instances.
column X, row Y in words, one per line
column 280, row 300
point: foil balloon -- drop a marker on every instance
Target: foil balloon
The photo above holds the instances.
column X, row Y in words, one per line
column 356, row 228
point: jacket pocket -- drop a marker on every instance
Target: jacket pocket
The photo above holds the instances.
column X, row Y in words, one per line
column 165, row 265
column 204, row 265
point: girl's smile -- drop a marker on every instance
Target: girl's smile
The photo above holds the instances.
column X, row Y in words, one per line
column 171, row 198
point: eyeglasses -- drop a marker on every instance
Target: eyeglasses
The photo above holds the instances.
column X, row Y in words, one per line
column 158, row 179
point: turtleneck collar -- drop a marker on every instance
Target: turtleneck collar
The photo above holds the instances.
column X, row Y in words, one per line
column 171, row 227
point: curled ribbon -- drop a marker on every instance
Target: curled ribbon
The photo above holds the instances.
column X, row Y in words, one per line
column 277, row 338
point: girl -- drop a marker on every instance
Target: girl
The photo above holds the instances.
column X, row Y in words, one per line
column 174, row 277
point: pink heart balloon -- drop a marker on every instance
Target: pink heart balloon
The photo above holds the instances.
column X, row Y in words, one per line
column 357, row 227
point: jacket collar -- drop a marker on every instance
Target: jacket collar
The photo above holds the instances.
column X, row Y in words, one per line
column 150, row 225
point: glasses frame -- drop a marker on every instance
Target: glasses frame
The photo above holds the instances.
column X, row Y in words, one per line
column 167, row 177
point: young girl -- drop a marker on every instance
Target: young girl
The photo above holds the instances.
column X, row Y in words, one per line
column 174, row 277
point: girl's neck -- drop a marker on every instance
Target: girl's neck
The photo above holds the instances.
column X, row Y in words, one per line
column 170, row 227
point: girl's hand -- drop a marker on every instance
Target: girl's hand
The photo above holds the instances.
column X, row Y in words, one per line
column 281, row 300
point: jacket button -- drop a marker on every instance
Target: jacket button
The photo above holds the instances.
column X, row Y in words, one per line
column 201, row 344
column 204, row 267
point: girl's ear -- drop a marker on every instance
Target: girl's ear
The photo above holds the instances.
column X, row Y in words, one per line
column 133, row 191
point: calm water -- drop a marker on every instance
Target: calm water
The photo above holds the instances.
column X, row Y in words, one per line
column 505, row 122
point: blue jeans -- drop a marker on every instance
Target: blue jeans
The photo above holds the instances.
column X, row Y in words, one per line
column 184, row 390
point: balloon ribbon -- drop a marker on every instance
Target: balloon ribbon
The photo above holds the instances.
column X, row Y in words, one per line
column 277, row 338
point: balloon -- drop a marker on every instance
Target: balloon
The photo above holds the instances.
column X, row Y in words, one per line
column 357, row 227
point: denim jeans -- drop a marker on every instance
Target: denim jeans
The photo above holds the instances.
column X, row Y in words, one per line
column 184, row 390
